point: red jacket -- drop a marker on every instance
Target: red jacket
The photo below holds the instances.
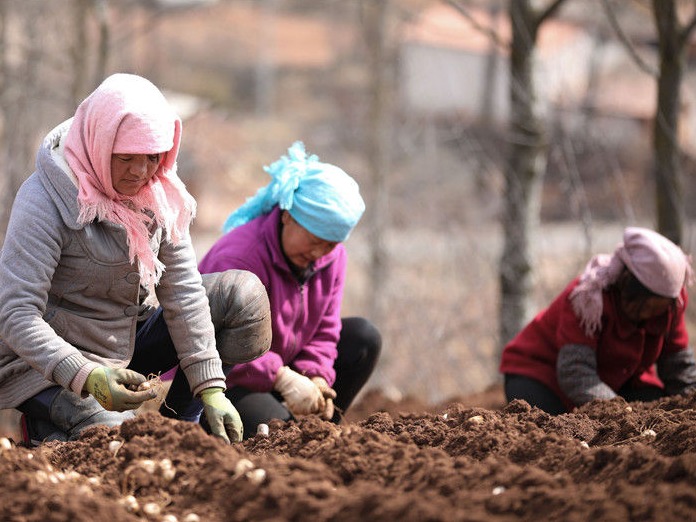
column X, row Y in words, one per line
column 625, row 352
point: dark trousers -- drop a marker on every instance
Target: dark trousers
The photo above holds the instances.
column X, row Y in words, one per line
column 542, row 397
column 358, row 351
column 154, row 354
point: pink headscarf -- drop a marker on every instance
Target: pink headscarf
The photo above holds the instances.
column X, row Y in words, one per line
column 127, row 114
column 657, row 263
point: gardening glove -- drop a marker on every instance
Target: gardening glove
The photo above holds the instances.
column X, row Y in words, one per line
column 116, row 389
column 223, row 418
column 329, row 395
column 300, row 394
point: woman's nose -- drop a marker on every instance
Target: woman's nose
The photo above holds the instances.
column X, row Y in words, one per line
column 321, row 251
column 139, row 167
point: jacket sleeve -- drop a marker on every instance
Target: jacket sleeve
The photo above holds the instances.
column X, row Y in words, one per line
column 677, row 339
column 677, row 371
column 30, row 254
column 187, row 314
column 576, row 368
column 676, row 365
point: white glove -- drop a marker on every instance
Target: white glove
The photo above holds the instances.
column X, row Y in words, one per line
column 301, row 395
column 329, row 396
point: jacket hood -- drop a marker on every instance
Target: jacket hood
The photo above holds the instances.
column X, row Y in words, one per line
column 56, row 176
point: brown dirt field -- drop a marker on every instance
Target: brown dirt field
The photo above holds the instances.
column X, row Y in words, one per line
column 460, row 463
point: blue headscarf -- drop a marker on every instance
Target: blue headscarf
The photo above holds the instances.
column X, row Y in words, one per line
column 321, row 197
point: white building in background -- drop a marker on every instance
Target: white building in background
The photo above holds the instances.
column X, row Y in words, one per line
column 445, row 58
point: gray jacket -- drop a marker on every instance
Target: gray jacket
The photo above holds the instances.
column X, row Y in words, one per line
column 70, row 298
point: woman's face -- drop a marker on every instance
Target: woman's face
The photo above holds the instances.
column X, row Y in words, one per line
column 644, row 309
column 131, row 172
column 300, row 246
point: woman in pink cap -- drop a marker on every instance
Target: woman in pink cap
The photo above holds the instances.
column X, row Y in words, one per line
column 98, row 280
column 616, row 330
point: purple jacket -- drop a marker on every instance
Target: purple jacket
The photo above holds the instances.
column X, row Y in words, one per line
column 306, row 318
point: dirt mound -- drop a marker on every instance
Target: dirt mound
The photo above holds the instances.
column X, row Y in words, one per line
column 607, row 461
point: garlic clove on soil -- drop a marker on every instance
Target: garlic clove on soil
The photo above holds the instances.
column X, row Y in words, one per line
column 256, row 476
column 243, row 465
column 152, row 509
column 115, row 445
column 130, row 503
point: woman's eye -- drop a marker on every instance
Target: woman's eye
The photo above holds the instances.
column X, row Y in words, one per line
column 154, row 158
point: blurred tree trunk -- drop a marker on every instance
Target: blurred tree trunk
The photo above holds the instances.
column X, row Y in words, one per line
column 265, row 68
column 672, row 40
column 524, row 170
column 83, row 80
column 490, row 75
column 379, row 128
column 80, row 13
column 104, row 46
column 6, row 195
column 20, row 81
column 44, row 72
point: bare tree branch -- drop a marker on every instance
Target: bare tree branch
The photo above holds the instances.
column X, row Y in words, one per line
column 491, row 33
column 628, row 45
column 549, row 11
column 686, row 31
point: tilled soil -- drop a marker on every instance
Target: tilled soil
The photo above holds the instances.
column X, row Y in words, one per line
column 607, row 461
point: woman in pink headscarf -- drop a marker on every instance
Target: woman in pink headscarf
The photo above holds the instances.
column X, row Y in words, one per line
column 98, row 280
column 617, row 330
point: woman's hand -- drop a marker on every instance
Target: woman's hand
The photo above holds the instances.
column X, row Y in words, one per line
column 301, row 395
column 116, row 389
column 223, row 418
column 329, row 396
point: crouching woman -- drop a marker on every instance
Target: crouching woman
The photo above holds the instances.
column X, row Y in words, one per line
column 617, row 330
column 98, row 280
column 291, row 234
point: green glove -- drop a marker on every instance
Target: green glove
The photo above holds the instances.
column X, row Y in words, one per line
column 223, row 418
column 115, row 389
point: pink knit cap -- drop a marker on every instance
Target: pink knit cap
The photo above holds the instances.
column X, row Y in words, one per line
column 657, row 263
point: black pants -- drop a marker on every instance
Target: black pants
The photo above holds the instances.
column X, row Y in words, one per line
column 358, row 351
column 154, row 354
column 541, row 396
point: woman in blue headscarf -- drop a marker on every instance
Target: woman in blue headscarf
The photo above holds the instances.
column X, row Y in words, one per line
column 290, row 235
